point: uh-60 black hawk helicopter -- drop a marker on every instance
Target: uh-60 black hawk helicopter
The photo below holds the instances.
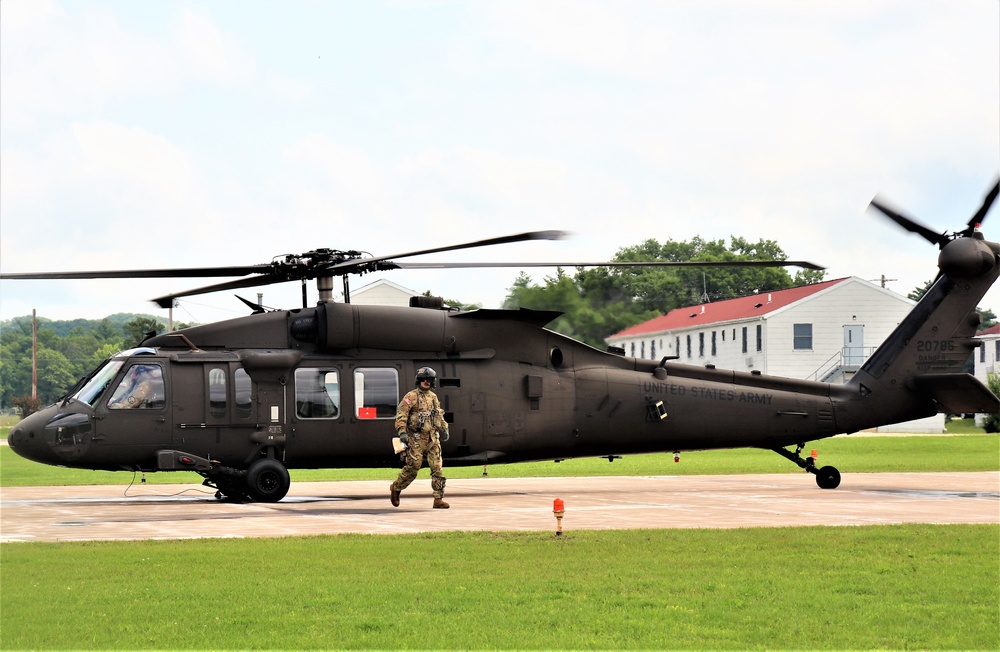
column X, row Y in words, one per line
column 242, row 401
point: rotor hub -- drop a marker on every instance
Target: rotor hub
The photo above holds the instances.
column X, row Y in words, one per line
column 967, row 258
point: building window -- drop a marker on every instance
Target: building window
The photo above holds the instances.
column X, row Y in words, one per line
column 633, row 350
column 802, row 337
column 745, row 339
column 652, row 349
column 714, row 349
column 677, row 346
column 996, row 358
column 701, row 345
column 642, row 349
column 760, row 338
column 689, row 346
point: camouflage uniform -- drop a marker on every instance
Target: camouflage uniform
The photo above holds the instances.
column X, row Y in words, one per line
column 420, row 415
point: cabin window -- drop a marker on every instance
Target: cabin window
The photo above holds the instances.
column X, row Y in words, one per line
column 244, row 391
column 376, row 393
column 217, row 393
column 141, row 388
column 317, row 393
column 802, row 336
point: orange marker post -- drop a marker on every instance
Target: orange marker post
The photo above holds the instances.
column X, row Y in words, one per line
column 558, row 509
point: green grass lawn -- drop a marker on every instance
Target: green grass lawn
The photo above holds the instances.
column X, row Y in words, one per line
column 877, row 587
column 882, row 587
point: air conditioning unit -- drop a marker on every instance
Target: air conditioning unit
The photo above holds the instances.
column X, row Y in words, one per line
column 750, row 363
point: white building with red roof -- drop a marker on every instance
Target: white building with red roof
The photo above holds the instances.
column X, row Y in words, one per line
column 823, row 331
column 987, row 358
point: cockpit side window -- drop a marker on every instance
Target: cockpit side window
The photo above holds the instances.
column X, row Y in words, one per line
column 141, row 388
column 317, row 393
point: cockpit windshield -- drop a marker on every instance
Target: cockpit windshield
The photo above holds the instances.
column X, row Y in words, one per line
column 101, row 378
column 98, row 382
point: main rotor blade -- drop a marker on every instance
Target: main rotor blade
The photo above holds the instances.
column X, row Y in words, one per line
column 188, row 272
column 253, row 281
column 653, row 263
column 507, row 239
column 985, row 208
column 939, row 239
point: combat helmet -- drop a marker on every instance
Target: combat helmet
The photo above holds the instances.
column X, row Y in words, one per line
column 425, row 373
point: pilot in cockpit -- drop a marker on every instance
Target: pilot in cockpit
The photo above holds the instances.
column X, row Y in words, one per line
column 137, row 388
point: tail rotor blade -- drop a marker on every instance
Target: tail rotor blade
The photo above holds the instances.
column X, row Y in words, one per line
column 940, row 239
column 985, row 208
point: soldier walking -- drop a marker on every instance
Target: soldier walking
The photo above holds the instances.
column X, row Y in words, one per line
column 421, row 426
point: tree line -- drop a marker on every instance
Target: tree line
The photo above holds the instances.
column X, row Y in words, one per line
column 601, row 301
column 67, row 350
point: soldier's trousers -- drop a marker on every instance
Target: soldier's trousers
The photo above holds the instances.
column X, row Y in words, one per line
column 419, row 448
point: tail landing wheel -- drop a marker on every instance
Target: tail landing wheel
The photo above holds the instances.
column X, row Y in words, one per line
column 827, row 477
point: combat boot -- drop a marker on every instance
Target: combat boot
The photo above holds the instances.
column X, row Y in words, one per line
column 393, row 495
column 440, row 504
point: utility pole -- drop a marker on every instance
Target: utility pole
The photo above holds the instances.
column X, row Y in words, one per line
column 885, row 280
column 34, row 355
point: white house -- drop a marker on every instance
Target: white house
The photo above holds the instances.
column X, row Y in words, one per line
column 823, row 331
column 986, row 359
column 382, row 293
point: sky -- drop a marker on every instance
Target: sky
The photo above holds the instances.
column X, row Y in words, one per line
column 190, row 134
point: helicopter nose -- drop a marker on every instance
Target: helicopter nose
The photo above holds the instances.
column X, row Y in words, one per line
column 26, row 440
column 51, row 437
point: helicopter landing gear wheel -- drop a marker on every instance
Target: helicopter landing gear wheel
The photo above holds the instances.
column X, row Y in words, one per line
column 267, row 481
column 828, row 477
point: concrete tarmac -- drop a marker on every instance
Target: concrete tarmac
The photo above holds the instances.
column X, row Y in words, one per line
column 103, row 513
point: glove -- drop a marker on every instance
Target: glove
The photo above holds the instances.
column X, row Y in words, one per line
column 402, row 436
column 443, row 435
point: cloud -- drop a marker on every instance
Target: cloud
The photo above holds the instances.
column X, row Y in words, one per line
column 210, row 134
column 212, row 54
